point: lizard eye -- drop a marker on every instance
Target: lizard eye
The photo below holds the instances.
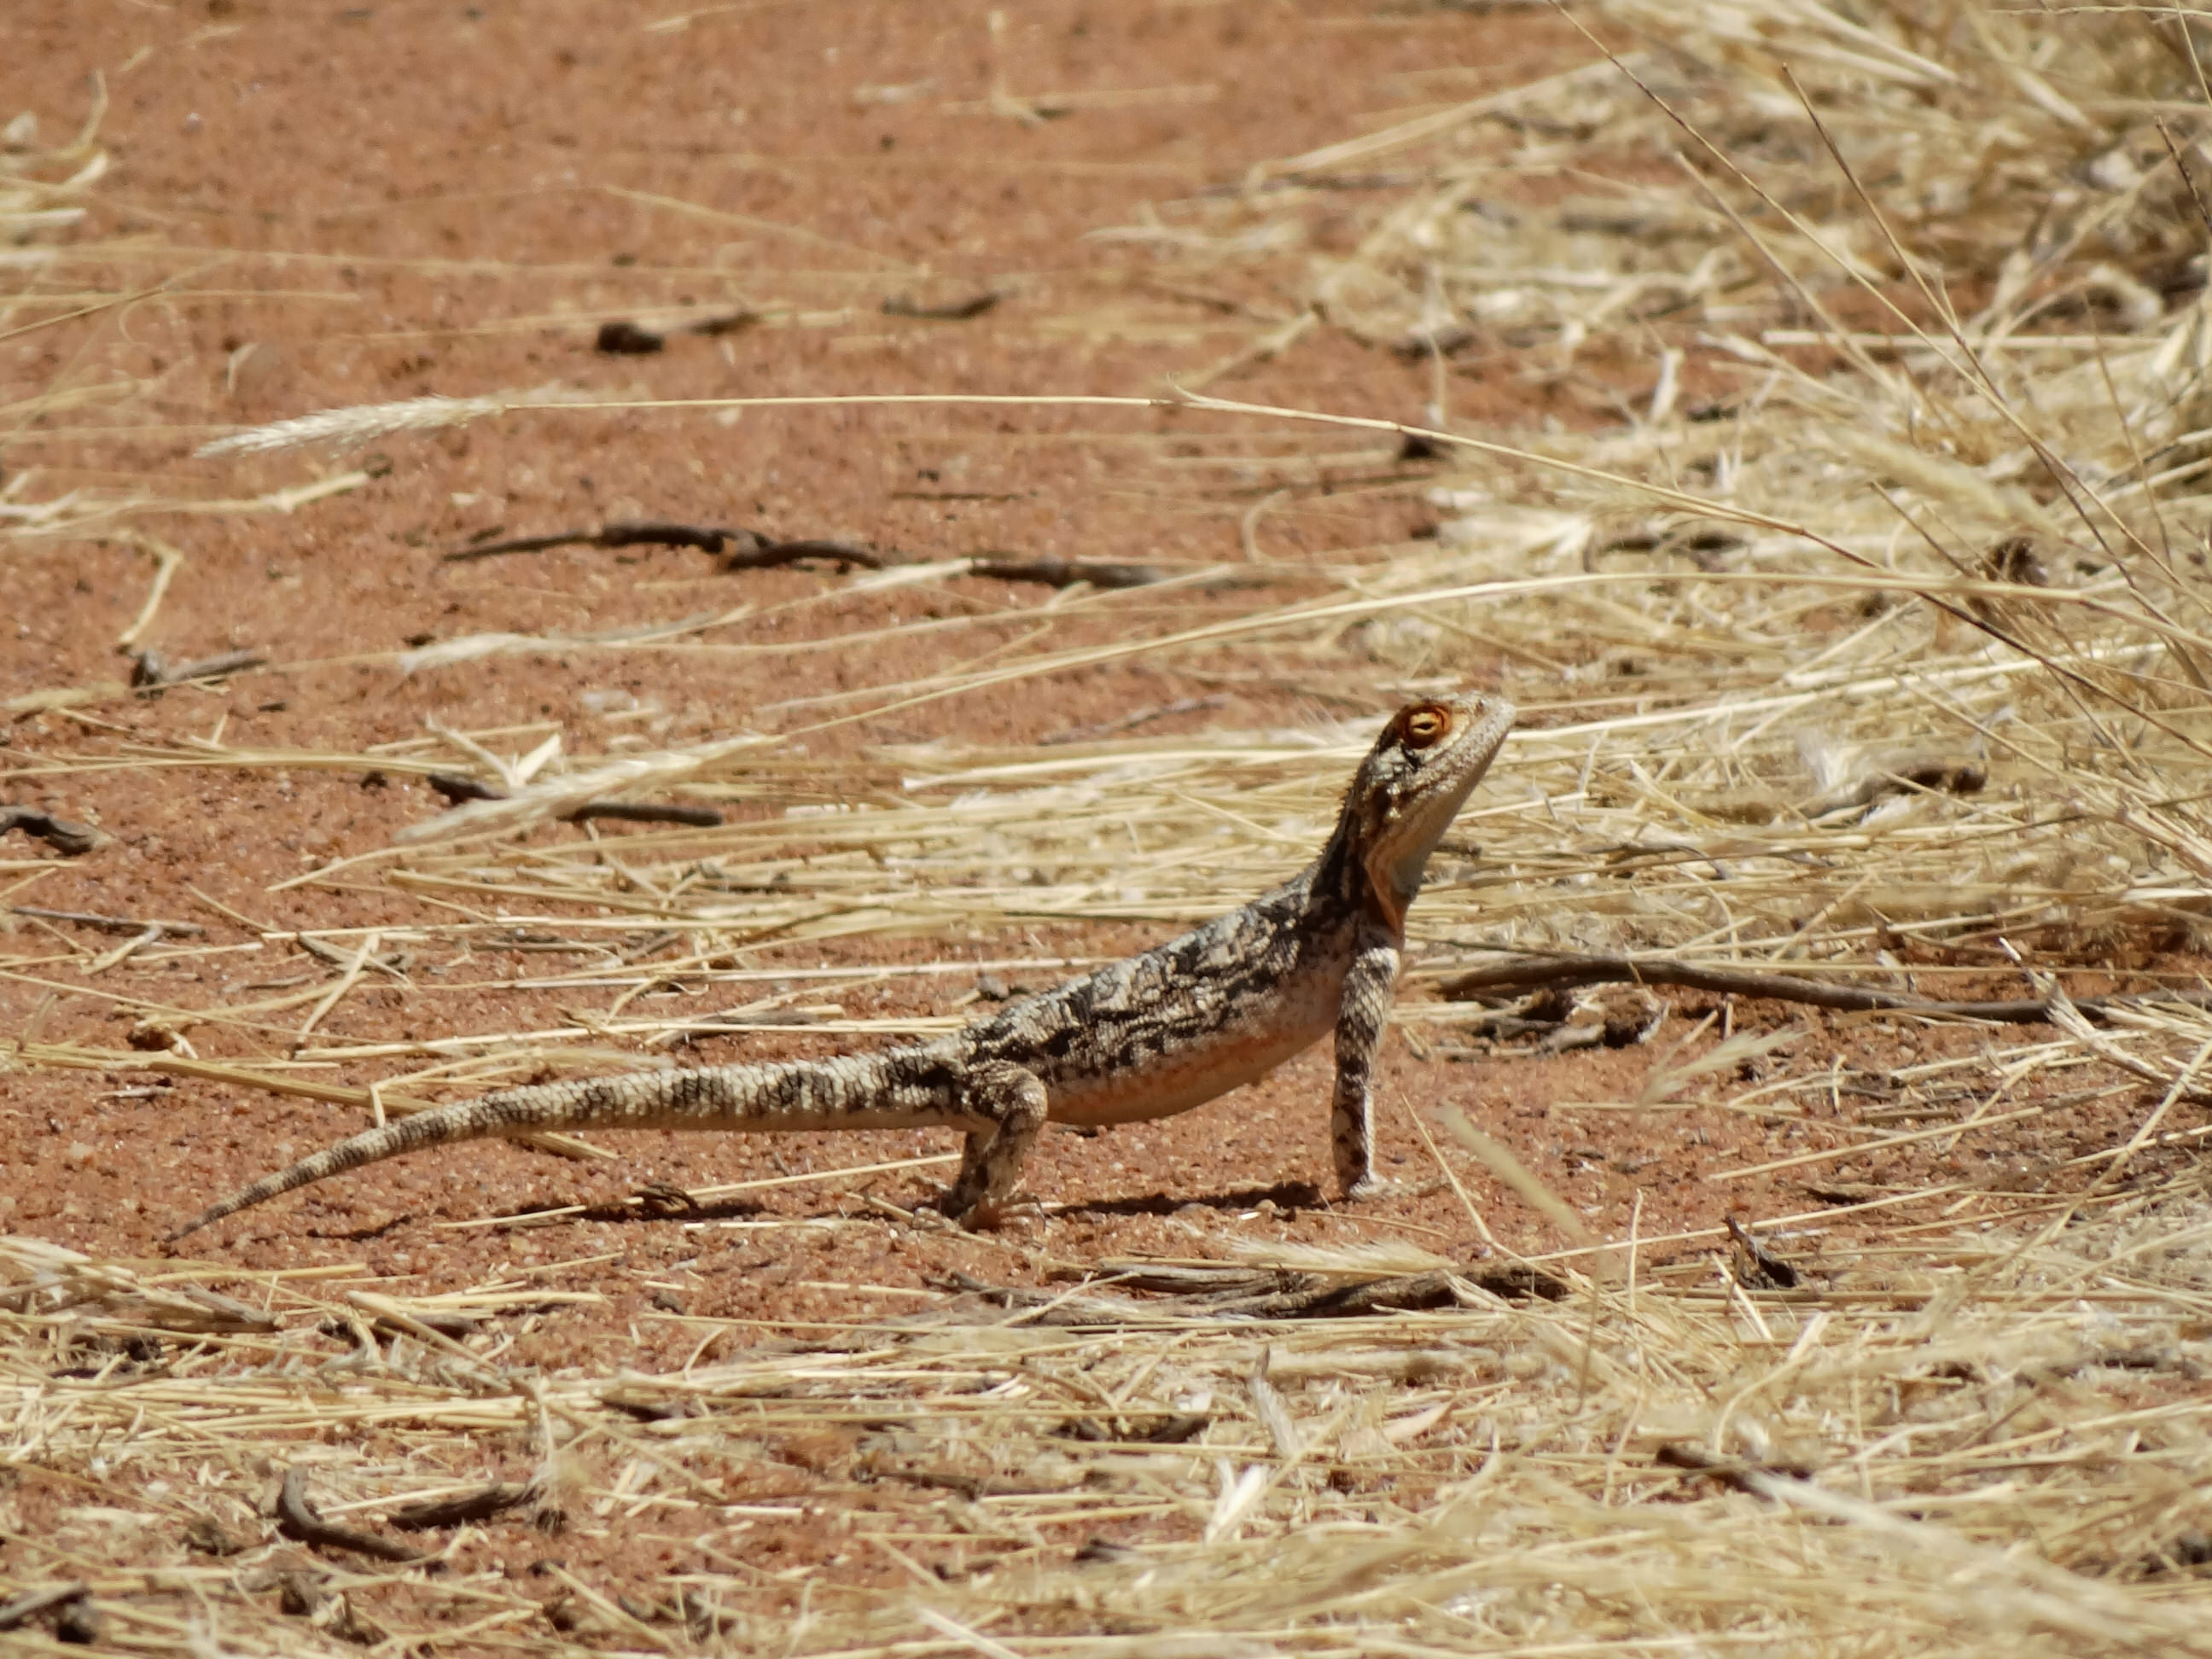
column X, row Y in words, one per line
column 1423, row 725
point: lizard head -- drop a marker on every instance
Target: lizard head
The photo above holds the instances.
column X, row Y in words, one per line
column 1412, row 785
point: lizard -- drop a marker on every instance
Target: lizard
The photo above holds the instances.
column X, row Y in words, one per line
column 1145, row 1037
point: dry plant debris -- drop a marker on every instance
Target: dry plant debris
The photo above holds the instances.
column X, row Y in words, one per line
column 1860, row 612
column 1663, row 1457
column 1892, row 637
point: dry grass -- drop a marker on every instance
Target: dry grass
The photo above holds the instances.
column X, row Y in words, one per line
column 87, row 448
column 1486, row 1478
column 1866, row 630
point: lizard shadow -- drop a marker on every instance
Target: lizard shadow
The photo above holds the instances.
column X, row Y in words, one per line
column 369, row 1234
column 1285, row 1195
column 664, row 1210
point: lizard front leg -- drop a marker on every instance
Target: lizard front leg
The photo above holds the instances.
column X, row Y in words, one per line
column 1013, row 1101
column 1360, row 1018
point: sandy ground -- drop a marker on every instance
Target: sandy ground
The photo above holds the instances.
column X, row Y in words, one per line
column 462, row 196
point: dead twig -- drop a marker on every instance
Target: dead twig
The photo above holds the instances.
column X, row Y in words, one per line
column 457, row 789
column 461, row 1508
column 640, row 811
column 70, row 840
column 748, row 549
column 738, row 550
column 1237, row 1292
column 1406, row 1294
column 150, row 670
column 1535, row 973
column 109, row 924
column 296, row 1519
column 1766, row 1267
column 705, row 538
column 956, row 311
column 1757, row 1479
column 1066, row 572
column 765, row 554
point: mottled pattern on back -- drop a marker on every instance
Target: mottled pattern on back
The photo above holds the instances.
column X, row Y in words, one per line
column 1260, row 980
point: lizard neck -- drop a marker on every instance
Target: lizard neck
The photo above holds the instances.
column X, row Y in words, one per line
column 1339, row 882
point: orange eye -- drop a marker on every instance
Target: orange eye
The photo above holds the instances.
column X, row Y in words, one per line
column 1423, row 725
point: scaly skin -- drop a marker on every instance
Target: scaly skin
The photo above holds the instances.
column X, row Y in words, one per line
column 1147, row 1037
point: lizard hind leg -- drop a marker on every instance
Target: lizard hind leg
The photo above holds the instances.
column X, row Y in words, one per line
column 1013, row 1101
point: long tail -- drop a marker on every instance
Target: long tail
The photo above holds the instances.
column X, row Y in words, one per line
column 792, row 1094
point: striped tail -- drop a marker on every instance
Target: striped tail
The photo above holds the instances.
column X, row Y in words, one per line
column 402, row 1135
column 897, row 1088
column 632, row 1100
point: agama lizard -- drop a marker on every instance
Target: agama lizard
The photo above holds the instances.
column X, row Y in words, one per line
column 1147, row 1037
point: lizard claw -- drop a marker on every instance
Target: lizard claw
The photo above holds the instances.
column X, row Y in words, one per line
column 984, row 1215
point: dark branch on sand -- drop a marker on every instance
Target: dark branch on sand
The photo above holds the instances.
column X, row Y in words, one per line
column 1541, row 973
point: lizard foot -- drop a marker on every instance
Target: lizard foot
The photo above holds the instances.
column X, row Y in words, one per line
column 984, row 1215
column 1373, row 1187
